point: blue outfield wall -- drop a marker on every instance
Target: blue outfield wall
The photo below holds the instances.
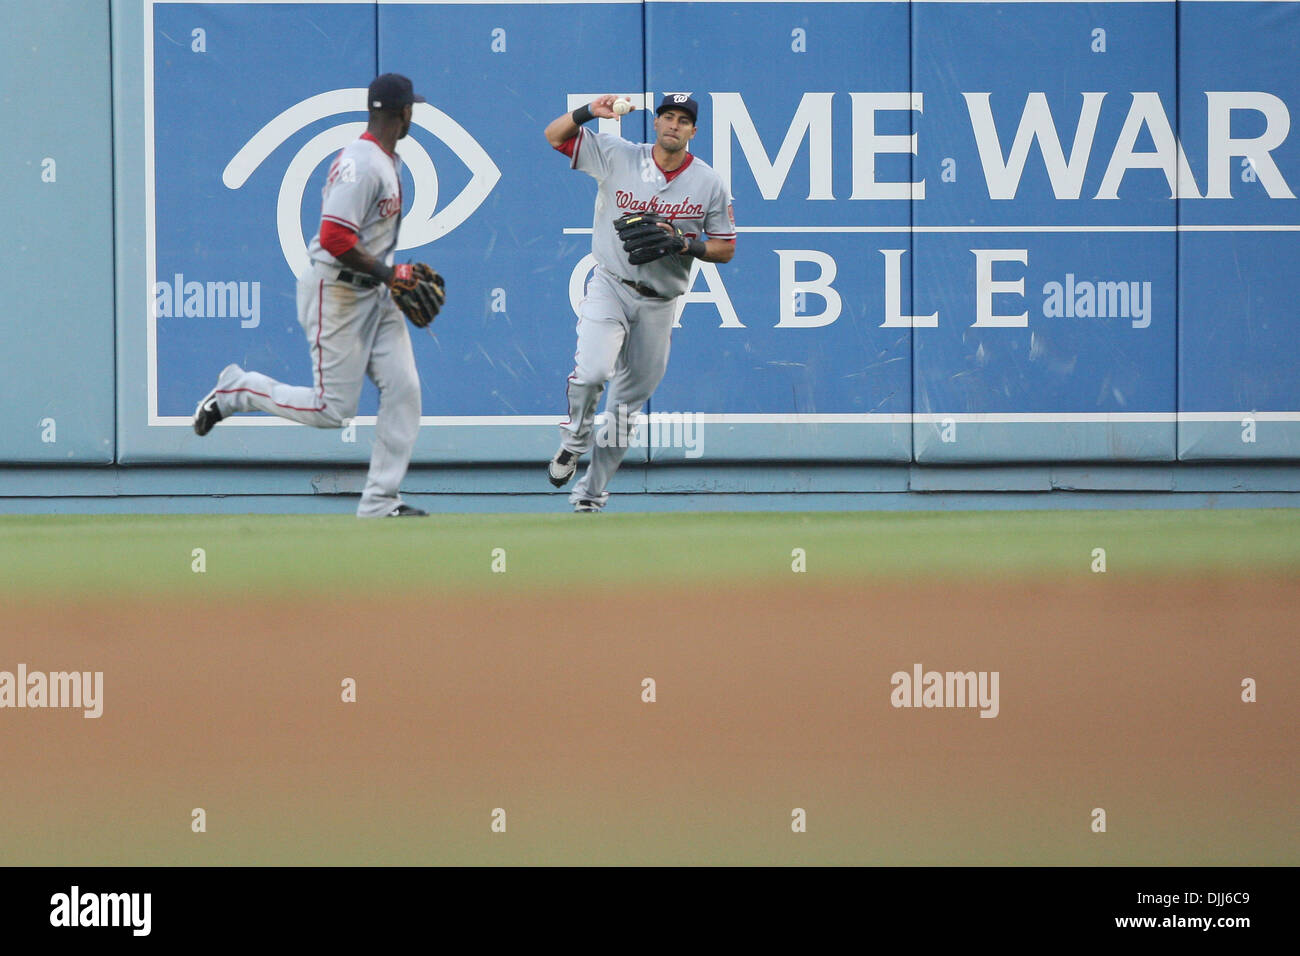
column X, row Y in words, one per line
column 969, row 233
column 1239, row 351
column 647, row 487
column 57, row 390
column 1030, row 359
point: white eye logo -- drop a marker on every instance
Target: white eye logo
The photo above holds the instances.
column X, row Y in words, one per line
column 420, row 226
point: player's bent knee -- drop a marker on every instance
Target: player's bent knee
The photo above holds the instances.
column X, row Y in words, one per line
column 586, row 377
column 403, row 391
column 335, row 415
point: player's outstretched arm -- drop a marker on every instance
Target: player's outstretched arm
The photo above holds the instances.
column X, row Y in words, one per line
column 564, row 127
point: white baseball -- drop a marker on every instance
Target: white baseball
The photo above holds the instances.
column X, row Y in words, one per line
column 622, row 106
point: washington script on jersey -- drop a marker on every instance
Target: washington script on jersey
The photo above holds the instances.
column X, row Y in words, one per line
column 683, row 209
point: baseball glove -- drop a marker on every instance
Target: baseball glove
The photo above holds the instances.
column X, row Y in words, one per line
column 645, row 239
column 418, row 291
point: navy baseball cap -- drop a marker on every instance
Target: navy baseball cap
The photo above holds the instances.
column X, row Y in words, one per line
column 680, row 101
column 391, row 91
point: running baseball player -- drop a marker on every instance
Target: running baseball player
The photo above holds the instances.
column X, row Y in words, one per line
column 657, row 208
column 351, row 304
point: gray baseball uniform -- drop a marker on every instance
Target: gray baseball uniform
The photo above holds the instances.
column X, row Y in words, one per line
column 353, row 329
column 624, row 332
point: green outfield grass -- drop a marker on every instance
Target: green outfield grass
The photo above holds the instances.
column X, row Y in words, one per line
column 274, row 554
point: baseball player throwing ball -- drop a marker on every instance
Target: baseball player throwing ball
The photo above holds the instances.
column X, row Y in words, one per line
column 350, row 304
column 657, row 208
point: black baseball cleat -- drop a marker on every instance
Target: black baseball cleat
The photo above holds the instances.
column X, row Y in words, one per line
column 406, row 511
column 587, row 506
column 207, row 414
column 562, row 467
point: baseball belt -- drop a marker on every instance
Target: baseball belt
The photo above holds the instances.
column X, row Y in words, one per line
column 358, row 279
column 641, row 288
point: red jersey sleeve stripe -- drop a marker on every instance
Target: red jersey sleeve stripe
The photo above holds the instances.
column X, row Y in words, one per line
column 342, row 222
column 569, row 147
column 336, row 239
column 577, row 145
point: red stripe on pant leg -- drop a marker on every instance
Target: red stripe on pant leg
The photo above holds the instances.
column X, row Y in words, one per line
column 320, row 320
column 253, row 391
column 569, row 381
